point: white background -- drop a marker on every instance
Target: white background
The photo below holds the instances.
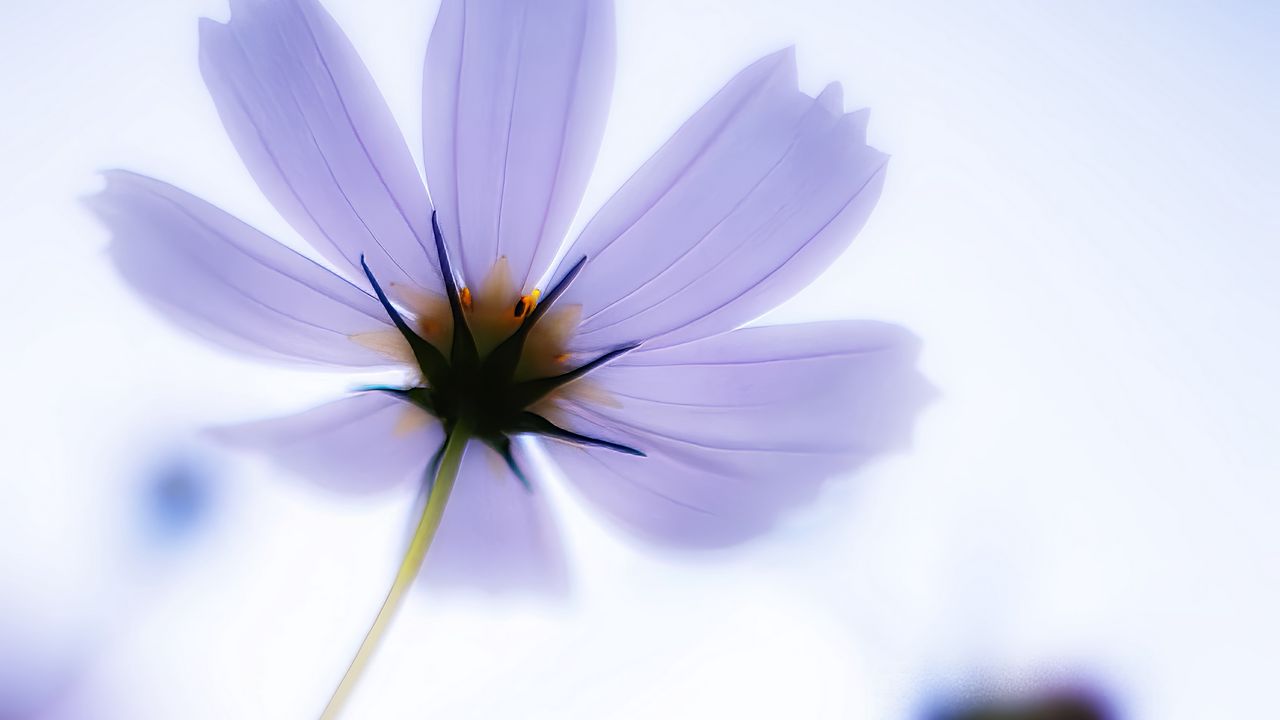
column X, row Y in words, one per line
column 1081, row 221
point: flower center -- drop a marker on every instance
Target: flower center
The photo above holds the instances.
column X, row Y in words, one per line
column 487, row 360
column 494, row 312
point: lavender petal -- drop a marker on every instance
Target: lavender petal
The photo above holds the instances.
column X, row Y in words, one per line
column 496, row 536
column 318, row 138
column 360, row 444
column 226, row 281
column 514, row 103
column 744, row 205
column 742, row 426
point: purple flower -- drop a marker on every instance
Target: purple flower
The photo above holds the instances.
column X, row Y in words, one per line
column 672, row 422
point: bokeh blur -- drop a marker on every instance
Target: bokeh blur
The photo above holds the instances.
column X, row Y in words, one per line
column 1081, row 221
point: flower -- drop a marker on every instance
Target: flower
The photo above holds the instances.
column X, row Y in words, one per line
column 628, row 362
column 748, row 201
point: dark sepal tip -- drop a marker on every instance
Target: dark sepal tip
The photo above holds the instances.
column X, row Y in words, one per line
column 502, row 446
column 417, row 396
column 535, row 423
column 442, row 254
column 556, row 291
column 380, row 388
column 504, row 358
column 464, row 343
column 531, row 391
column 390, row 309
column 429, row 358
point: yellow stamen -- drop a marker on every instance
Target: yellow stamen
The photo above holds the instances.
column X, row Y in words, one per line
column 465, row 297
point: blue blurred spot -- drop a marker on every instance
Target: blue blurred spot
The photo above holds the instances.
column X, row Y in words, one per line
column 178, row 498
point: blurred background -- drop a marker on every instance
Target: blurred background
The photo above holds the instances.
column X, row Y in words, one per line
column 1081, row 220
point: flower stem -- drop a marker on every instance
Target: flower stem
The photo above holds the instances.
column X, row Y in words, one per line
column 447, row 473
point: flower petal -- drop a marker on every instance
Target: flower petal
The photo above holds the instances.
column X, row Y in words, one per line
column 514, row 103
column 496, row 535
column 318, row 137
column 363, row 443
column 230, row 283
column 739, row 427
column 749, row 201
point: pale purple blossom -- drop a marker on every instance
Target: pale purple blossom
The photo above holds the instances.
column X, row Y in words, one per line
column 691, row 432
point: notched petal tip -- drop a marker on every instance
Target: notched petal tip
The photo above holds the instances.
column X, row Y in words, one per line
column 112, row 178
column 831, row 98
column 246, row 9
column 212, row 35
column 782, row 56
column 109, row 203
column 97, row 201
column 779, row 62
column 207, row 25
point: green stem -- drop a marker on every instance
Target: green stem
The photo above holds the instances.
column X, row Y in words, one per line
column 450, row 461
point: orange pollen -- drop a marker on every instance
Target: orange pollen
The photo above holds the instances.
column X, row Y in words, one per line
column 465, row 297
column 527, row 303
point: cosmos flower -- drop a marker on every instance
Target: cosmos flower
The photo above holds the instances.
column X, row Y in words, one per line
column 619, row 349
